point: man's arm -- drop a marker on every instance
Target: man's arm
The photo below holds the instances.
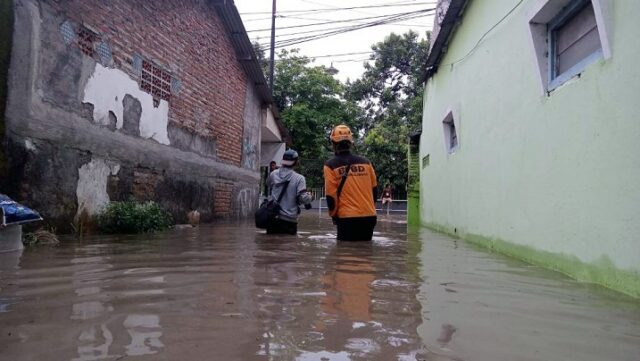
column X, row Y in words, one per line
column 270, row 180
column 304, row 197
column 331, row 189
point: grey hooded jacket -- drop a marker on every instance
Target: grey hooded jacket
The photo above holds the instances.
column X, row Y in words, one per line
column 296, row 192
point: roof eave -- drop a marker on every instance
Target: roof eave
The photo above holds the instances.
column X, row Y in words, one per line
column 441, row 42
column 246, row 55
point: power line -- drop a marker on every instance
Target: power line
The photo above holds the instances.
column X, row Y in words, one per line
column 344, row 8
column 339, row 55
column 333, row 28
column 336, row 21
column 395, row 18
column 350, row 60
column 355, row 21
column 485, row 35
column 357, row 11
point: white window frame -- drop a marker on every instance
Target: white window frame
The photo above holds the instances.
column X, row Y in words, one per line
column 451, row 118
column 546, row 14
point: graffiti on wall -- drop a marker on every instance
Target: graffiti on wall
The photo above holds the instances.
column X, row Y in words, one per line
column 245, row 201
column 249, row 153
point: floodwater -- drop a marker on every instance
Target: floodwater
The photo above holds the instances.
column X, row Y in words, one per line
column 231, row 292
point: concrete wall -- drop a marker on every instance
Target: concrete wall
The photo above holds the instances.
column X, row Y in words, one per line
column 550, row 178
column 6, row 34
column 81, row 130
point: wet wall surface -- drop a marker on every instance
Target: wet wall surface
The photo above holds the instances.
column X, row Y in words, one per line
column 231, row 292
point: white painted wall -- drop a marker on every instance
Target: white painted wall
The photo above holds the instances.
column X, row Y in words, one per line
column 558, row 173
column 105, row 90
column 92, row 186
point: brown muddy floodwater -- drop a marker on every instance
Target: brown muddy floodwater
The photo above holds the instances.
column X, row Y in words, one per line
column 230, row 292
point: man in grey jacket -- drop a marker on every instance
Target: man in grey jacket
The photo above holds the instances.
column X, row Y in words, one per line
column 296, row 194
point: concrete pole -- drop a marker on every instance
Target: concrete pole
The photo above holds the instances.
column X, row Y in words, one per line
column 273, row 45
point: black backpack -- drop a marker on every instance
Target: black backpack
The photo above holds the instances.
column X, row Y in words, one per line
column 269, row 210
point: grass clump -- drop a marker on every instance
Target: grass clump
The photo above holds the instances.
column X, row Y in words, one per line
column 133, row 217
column 39, row 238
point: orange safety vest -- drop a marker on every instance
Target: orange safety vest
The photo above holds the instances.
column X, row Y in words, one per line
column 358, row 193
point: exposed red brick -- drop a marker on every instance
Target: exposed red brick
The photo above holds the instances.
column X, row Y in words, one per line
column 187, row 38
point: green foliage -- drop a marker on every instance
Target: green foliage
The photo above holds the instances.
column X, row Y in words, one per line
column 311, row 103
column 382, row 108
column 261, row 57
column 390, row 94
column 133, row 217
column 39, row 238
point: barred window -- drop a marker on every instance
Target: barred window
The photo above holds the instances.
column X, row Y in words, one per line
column 86, row 38
column 155, row 81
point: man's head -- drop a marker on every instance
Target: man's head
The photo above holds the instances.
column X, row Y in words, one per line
column 273, row 166
column 341, row 138
column 289, row 158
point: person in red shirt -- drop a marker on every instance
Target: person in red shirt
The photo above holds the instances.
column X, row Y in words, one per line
column 386, row 196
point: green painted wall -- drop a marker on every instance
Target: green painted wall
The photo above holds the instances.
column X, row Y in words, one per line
column 6, row 32
column 413, row 185
column 552, row 179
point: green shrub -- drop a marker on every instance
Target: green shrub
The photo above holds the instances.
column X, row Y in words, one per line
column 133, row 217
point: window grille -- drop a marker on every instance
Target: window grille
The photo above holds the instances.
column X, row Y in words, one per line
column 155, row 81
column 85, row 40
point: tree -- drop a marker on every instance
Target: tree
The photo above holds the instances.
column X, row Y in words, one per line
column 390, row 94
column 261, row 57
column 311, row 102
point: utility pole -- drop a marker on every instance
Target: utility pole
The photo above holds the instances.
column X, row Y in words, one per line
column 272, row 53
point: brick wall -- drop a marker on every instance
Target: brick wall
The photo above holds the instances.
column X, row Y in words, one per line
column 187, row 39
column 222, row 206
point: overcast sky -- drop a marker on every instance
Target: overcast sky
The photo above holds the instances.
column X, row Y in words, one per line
column 256, row 15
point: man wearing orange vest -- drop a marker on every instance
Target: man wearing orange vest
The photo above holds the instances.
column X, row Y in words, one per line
column 350, row 187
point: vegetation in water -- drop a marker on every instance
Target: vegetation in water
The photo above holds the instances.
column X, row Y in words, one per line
column 133, row 217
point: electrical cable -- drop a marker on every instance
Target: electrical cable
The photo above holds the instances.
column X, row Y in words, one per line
column 341, row 9
column 317, row 19
column 411, row 2
column 485, row 35
column 294, row 41
column 334, row 21
column 325, row 29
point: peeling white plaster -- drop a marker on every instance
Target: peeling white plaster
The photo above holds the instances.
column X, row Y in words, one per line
column 92, row 185
column 105, row 90
column 29, row 145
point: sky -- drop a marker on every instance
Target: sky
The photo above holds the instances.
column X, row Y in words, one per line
column 295, row 16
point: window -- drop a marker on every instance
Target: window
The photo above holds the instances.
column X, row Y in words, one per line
column 450, row 134
column 155, row 81
column 567, row 36
column 574, row 41
column 85, row 39
column 425, row 161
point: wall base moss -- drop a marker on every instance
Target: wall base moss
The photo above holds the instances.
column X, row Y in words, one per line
column 413, row 211
column 601, row 272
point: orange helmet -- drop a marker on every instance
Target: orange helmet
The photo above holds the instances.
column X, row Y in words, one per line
column 341, row 133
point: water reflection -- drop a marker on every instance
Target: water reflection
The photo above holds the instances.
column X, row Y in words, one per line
column 481, row 306
column 348, row 285
column 338, row 301
column 93, row 279
column 145, row 334
column 229, row 292
column 9, row 263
